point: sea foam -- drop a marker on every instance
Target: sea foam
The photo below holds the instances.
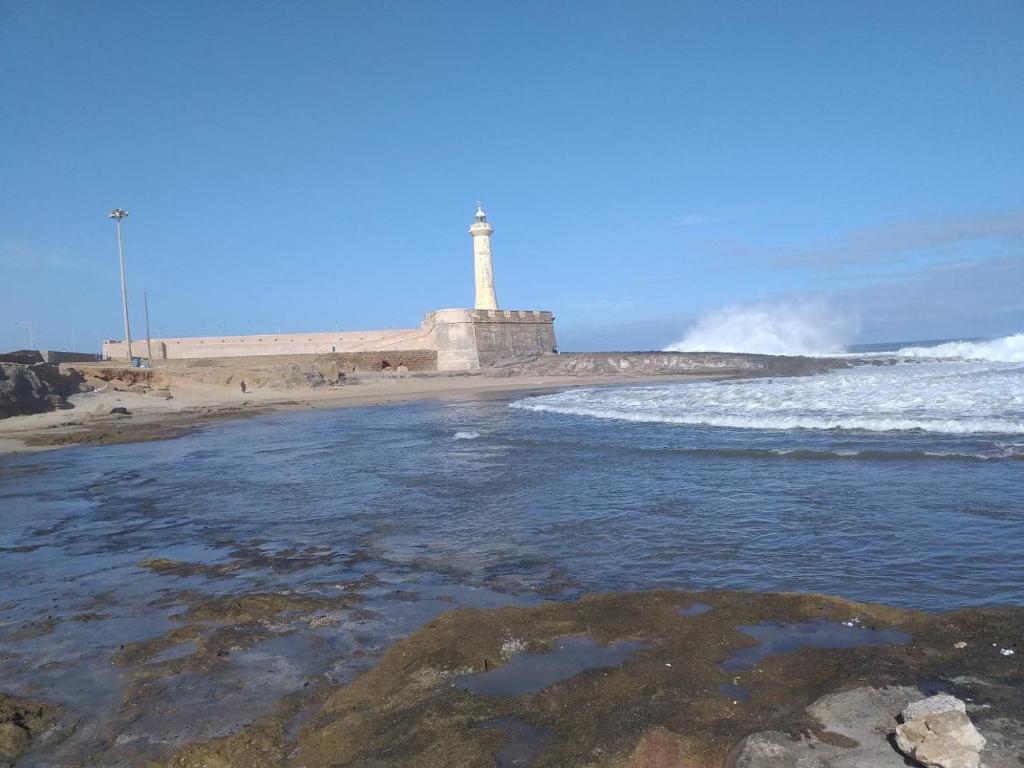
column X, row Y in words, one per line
column 1008, row 349
column 942, row 397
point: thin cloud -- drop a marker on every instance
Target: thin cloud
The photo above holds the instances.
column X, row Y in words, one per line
column 904, row 237
column 984, row 297
column 16, row 257
column 939, row 236
column 693, row 220
column 601, row 306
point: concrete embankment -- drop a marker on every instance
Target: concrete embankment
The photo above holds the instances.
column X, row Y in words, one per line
column 664, row 363
column 290, row 371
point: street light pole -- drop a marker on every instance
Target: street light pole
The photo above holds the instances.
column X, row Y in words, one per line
column 28, row 332
column 149, row 343
column 117, row 214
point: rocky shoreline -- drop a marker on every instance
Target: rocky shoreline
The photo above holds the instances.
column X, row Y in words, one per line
column 106, row 404
column 625, row 680
column 27, row 388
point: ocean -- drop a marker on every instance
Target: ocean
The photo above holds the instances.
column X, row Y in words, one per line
column 901, row 483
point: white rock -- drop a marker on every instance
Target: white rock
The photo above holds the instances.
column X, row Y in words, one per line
column 941, row 702
column 945, row 739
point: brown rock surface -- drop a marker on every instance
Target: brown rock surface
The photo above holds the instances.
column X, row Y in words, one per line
column 20, row 721
column 662, row 706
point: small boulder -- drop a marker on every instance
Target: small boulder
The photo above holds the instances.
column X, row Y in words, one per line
column 940, row 702
column 937, row 733
column 120, row 409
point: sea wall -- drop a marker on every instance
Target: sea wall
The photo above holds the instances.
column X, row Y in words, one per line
column 198, row 347
column 665, row 363
column 413, row 360
column 460, row 340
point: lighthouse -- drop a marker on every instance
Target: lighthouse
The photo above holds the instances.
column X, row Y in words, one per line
column 481, row 232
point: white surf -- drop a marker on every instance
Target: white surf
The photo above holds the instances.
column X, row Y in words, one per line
column 960, row 397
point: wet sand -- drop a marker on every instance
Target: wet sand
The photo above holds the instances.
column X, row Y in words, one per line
column 152, row 416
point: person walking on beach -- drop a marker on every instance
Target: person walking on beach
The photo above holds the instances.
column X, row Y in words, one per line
column 243, row 387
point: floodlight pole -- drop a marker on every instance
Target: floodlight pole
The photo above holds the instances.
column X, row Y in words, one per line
column 117, row 214
column 28, row 332
column 149, row 343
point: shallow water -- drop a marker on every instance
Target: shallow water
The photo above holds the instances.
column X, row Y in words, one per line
column 737, row 693
column 477, row 504
column 532, row 672
column 775, row 638
column 524, row 742
column 694, row 610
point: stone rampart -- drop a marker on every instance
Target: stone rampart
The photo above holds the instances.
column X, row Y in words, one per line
column 459, row 339
column 414, row 360
column 469, row 339
column 192, row 348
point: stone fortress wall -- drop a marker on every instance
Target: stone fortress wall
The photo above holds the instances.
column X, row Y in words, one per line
column 411, row 360
column 460, row 339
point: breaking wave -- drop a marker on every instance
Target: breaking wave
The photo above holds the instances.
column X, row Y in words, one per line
column 947, row 426
column 1009, row 349
column 956, row 398
column 465, row 435
column 810, row 327
column 993, row 452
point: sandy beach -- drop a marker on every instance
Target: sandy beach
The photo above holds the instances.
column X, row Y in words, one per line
column 192, row 405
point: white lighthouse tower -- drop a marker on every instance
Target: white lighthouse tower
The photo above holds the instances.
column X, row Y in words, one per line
column 481, row 232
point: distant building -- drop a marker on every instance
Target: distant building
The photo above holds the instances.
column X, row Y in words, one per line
column 31, row 356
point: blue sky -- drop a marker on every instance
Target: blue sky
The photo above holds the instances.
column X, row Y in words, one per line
column 302, row 165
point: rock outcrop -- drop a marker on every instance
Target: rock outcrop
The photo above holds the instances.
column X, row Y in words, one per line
column 855, row 730
column 35, row 388
column 859, row 721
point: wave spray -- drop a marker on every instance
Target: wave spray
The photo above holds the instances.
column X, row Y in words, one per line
column 807, row 327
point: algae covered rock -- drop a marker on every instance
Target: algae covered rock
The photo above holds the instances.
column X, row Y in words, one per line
column 13, row 740
column 20, row 720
